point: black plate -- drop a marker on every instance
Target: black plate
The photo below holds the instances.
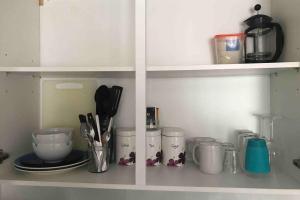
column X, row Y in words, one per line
column 32, row 162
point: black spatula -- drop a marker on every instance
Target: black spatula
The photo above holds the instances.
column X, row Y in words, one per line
column 103, row 105
column 116, row 94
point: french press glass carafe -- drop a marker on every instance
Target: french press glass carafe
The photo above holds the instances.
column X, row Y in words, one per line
column 264, row 40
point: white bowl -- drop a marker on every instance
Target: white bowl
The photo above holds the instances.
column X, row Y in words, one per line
column 52, row 152
column 52, row 136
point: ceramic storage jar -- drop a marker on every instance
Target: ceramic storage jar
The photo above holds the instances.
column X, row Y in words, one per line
column 173, row 147
column 125, row 146
column 153, row 147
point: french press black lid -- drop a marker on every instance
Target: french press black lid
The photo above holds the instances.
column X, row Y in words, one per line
column 264, row 39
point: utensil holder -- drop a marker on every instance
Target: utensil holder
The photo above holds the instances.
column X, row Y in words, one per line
column 99, row 157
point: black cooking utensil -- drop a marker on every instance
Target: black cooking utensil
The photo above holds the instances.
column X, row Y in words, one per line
column 82, row 118
column 102, row 97
column 103, row 105
column 116, row 94
column 94, row 126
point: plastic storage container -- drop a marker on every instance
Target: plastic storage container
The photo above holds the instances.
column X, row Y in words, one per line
column 173, row 147
column 153, row 147
column 229, row 48
column 125, row 146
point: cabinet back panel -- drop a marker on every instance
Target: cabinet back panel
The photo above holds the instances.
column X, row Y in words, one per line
column 214, row 106
column 87, row 33
column 181, row 32
column 61, row 106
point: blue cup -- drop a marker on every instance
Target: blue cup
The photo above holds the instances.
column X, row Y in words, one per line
column 257, row 157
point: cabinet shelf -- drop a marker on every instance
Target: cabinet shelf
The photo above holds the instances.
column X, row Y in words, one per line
column 190, row 178
column 117, row 177
column 231, row 68
column 220, row 70
column 68, row 69
column 186, row 179
column 101, row 71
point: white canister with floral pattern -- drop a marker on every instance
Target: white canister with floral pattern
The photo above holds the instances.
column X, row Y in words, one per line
column 153, row 147
column 173, row 147
column 125, row 146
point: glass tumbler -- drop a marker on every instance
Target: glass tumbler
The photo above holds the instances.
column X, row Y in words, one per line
column 230, row 160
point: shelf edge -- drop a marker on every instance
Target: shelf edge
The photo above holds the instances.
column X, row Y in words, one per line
column 153, row 188
column 223, row 67
column 68, row 69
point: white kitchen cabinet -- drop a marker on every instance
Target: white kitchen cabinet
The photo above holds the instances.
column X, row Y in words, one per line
column 160, row 52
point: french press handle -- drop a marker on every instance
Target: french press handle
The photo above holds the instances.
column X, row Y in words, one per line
column 279, row 41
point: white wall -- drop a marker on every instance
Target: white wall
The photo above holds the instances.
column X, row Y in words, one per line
column 100, row 32
column 87, row 33
column 211, row 106
column 180, row 32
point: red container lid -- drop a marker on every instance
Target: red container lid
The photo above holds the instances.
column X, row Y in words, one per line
column 230, row 35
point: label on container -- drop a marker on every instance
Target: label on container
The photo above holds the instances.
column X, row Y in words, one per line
column 233, row 45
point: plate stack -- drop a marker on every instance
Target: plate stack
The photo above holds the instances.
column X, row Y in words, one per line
column 52, row 152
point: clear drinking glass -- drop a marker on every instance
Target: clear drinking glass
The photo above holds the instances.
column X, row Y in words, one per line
column 230, row 160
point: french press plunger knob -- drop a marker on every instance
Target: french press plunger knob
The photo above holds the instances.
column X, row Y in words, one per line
column 257, row 7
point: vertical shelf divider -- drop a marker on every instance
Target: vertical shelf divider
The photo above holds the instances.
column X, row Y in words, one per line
column 140, row 85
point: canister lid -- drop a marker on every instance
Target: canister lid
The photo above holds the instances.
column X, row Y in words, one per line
column 173, row 132
column 229, row 35
column 153, row 132
column 125, row 132
column 204, row 139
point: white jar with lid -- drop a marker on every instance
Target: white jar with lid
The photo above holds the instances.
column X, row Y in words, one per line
column 125, row 146
column 173, row 147
column 153, row 147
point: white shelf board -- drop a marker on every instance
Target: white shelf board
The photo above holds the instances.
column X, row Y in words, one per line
column 117, row 177
column 186, row 179
column 219, row 70
column 190, row 178
column 68, row 69
column 102, row 71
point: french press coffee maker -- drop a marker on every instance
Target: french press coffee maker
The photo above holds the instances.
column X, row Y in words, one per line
column 264, row 39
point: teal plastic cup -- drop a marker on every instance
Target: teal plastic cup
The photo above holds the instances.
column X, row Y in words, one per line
column 257, row 157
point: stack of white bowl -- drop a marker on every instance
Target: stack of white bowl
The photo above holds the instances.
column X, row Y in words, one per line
column 52, row 145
